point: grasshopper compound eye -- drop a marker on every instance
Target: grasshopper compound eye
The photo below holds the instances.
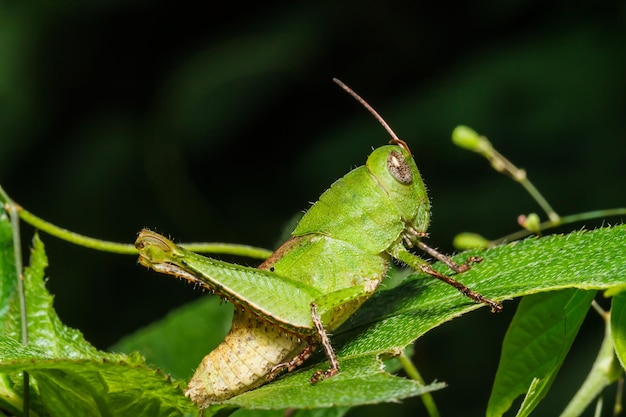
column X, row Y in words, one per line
column 399, row 168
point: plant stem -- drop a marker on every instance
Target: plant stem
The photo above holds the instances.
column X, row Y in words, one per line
column 129, row 249
column 532, row 190
column 617, row 407
column 594, row 214
column 605, row 370
column 228, row 249
column 413, row 373
column 11, row 208
column 81, row 240
column 502, row 164
column 467, row 138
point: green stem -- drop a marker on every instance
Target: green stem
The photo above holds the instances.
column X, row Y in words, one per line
column 121, row 248
column 413, row 373
column 530, row 188
column 617, row 407
column 81, row 240
column 599, row 405
column 605, row 371
column 548, row 224
column 129, row 249
column 467, row 138
column 11, row 208
column 501, row 164
column 228, row 249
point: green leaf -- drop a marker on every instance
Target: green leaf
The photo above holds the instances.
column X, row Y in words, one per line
column 91, row 387
column 45, row 330
column 362, row 380
column 70, row 376
column 163, row 343
column 535, row 346
column 317, row 412
column 394, row 318
column 387, row 323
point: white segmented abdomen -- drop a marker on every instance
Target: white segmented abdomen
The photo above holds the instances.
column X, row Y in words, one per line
column 243, row 360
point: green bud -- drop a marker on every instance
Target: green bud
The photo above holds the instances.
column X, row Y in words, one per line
column 532, row 223
column 467, row 240
column 466, row 137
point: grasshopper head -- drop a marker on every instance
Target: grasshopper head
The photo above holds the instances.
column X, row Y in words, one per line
column 396, row 172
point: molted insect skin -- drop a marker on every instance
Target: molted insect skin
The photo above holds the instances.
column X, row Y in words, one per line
column 243, row 360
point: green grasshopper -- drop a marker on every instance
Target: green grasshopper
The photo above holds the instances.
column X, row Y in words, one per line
column 334, row 261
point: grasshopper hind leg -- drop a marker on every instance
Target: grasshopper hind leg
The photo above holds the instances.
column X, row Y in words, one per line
column 330, row 353
column 292, row 364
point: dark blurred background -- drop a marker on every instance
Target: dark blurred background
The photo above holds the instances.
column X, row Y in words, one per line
column 221, row 125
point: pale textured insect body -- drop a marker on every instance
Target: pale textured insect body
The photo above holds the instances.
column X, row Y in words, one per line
column 243, row 360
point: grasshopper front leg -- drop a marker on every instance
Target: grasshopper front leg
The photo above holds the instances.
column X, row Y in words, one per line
column 417, row 263
column 458, row 268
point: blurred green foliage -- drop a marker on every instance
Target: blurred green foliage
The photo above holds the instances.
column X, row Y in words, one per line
column 222, row 125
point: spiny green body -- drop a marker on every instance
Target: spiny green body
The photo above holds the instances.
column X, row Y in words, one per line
column 336, row 259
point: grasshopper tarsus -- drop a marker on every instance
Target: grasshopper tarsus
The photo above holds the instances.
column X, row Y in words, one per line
column 467, row 265
column 495, row 306
column 320, row 375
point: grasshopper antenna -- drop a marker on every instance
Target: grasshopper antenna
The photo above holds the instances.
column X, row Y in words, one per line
column 395, row 139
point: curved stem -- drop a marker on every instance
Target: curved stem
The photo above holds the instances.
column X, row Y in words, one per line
column 572, row 218
column 129, row 249
column 12, row 209
column 413, row 373
column 78, row 239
